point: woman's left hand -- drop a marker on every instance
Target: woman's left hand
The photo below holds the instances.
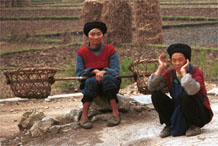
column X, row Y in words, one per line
column 184, row 68
column 100, row 75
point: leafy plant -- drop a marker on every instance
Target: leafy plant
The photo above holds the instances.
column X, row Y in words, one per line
column 208, row 66
column 125, row 71
column 69, row 71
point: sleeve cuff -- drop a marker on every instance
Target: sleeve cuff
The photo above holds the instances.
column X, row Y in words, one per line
column 190, row 85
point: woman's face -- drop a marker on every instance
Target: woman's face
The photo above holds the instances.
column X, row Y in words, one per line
column 178, row 60
column 95, row 37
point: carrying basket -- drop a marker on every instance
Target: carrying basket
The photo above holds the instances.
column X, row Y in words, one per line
column 36, row 82
column 143, row 69
column 30, row 82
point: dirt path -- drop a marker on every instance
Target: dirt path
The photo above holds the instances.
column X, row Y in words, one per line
column 135, row 129
column 11, row 111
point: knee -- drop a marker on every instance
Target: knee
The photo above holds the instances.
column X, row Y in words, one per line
column 108, row 78
column 188, row 100
column 91, row 82
column 157, row 96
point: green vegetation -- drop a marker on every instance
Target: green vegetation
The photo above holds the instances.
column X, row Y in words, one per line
column 188, row 18
column 41, row 47
column 69, row 71
column 17, row 42
column 208, row 66
column 186, row 1
column 192, row 24
column 165, row 18
column 41, row 18
column 125, row 71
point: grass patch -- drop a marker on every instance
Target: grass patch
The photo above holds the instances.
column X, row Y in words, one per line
column 57, row 34
column 125, row 71
column 40, row 18
column 38, row 9
column 165, row 46
column 188, row 3
column 185, row 1
column 67, row 86
column 188, row 18
column 193, row 24
column 208, row 66
column 26, row 47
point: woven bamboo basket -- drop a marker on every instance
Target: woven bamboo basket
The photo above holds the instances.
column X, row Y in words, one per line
column 31, row 82
column 36, row 82
column 143, row 69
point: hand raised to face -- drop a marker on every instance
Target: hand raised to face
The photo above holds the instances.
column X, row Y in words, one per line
column 162, row 61
column 184, row 68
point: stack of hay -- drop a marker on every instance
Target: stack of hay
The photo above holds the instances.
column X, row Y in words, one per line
column 148, row 22
column 5, row 3
column 117, row 15
column 91, row 11
column 23, row 2
column 13, row 3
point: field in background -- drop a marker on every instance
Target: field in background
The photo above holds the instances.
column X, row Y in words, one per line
column 49, row 26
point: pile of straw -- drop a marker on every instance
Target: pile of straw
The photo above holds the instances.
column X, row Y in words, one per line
column 13, row 3
column 23, row 2
column 5, row 3
column 148, row 22
column 117, row 14
column 91, row 11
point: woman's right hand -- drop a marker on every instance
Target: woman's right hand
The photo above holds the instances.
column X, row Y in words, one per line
column 163, row 64
column 162, row 61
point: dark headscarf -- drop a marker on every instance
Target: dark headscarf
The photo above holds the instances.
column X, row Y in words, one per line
column 95, row 24
column 180, row 48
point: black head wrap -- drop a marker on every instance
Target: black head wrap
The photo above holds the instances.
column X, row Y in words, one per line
column 95, row 24
column 180, row 48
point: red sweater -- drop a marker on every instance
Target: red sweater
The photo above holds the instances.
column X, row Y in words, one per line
column 93, row 61
column 197, row 74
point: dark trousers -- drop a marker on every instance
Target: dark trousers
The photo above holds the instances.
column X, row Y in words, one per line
column 108, row 88
column 193, row 109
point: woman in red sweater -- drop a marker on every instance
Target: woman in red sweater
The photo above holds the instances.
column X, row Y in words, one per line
column 100, row 63
column 188, row 109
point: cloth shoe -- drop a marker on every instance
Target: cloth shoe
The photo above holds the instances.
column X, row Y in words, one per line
column 165, row 132
column 193, row 130
column 85, row 123
column 115, row 120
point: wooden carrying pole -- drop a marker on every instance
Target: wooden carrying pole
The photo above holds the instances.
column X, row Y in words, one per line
column 36, row 82
column 83, row 78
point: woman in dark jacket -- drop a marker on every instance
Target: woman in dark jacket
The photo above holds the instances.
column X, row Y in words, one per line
column 100, row 63
column 188, row 109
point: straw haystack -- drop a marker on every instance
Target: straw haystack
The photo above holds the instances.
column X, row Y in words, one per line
column 14, row 3
column 23, row 2
column 2, row 4
column 8, row 3
column 117, row 14
column 91, row 11
column 148, row 22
